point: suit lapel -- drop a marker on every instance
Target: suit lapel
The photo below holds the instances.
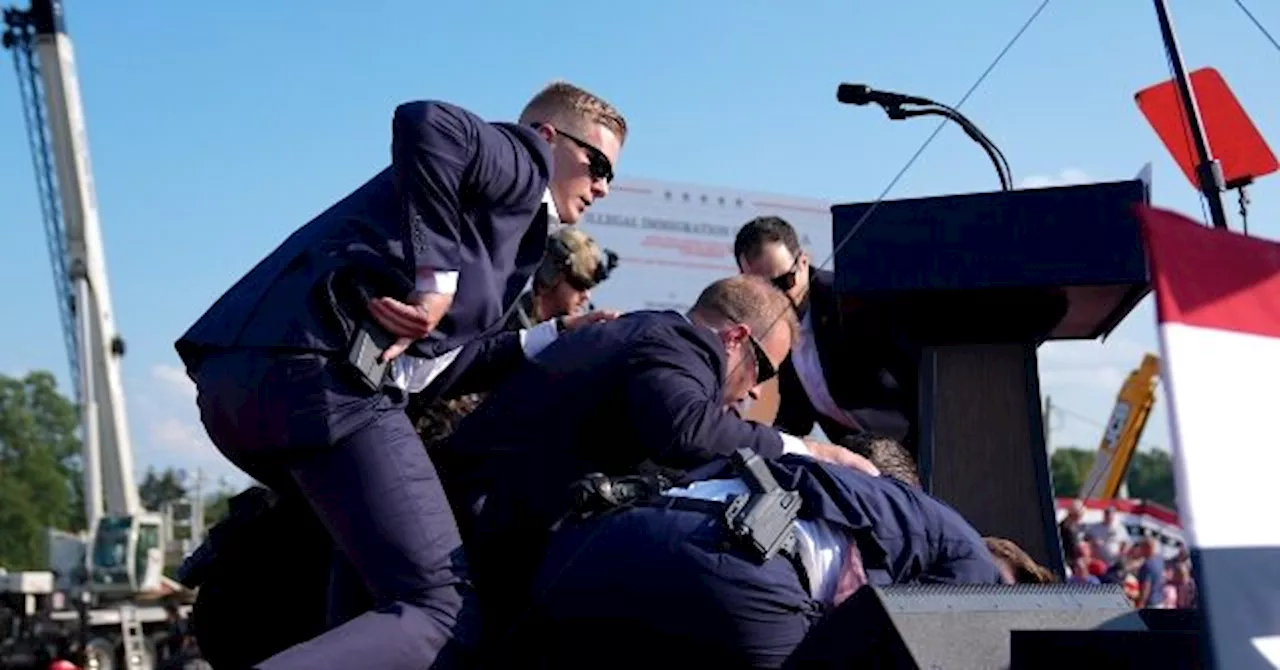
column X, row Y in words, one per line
column 528, row 257
column 824, row 318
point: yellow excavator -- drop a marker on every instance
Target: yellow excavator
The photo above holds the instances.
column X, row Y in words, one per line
column 1124, row 428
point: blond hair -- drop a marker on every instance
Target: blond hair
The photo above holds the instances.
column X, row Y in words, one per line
column 584, row 253
column 563, row 104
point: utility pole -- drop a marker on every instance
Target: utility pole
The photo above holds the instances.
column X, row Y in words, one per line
column 1208, row 170
column 197, row 531
column 1048, row 419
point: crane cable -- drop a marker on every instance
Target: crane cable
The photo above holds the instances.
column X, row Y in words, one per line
column 915, row 156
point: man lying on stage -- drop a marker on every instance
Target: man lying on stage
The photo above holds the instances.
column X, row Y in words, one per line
column 670, row 577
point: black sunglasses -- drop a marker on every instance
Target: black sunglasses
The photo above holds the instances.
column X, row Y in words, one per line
column 764, row 367
column 598, row 164
column 578, row 283
column 786, row 281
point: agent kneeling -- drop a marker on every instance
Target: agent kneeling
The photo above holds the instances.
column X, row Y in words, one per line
column 732, row 568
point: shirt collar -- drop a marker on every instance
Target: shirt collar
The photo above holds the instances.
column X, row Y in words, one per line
column 553, row 215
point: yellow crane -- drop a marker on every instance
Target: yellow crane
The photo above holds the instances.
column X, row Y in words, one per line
column 1120, row 439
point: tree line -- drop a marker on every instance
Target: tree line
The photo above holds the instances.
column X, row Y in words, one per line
column 1150, row 475
column 40, row 472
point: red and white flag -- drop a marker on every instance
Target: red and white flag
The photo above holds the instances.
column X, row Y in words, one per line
column 1218, row 305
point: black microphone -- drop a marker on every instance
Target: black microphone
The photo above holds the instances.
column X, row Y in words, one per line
column 861, row 94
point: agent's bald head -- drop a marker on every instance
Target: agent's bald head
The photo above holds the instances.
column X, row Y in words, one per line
column 747, row 312
column 747, row 300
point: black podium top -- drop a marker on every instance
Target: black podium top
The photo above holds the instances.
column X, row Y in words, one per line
column 1053, row 263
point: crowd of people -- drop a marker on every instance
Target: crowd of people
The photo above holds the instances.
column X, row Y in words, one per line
column 1106, row 552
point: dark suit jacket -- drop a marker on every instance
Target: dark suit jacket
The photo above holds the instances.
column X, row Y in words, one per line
column 461, row 194
column 870, row 372
column 606, row 398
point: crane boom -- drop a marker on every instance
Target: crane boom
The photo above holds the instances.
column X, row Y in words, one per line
column 18, row 38
column 55, row 121
column 1120, row 440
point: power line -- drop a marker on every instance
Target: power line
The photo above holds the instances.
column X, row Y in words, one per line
column 928, row 140
column 1258, row 24
column 1078, row 416
column 1082, row 418
column 550, row 585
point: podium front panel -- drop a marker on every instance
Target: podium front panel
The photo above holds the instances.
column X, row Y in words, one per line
column 981, row 446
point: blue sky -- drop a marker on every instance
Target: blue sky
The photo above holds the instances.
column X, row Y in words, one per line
column 216, row 128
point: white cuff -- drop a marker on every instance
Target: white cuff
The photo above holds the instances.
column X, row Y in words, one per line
column 444, row 283
column 534, row 340
column 794, row 445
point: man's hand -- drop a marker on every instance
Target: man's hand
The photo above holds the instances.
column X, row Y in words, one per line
column 575, row 322
column 409, row 321
column 830, row 453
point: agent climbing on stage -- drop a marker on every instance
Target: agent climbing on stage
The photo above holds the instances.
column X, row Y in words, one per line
column 304, row 365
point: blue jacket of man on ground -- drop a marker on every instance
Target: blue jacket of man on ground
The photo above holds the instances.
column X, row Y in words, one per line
column 668, row 583
column 433, row 249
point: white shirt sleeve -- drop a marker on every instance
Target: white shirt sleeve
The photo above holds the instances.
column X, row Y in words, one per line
column 444, row 283
column 794, row 445
column 534, row 340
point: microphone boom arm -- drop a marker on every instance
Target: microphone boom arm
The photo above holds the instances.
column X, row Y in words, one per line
column 897, row 113
column 892, row 104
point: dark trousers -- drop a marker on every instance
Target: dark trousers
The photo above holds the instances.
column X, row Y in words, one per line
column 298, row 425
column 661, row 588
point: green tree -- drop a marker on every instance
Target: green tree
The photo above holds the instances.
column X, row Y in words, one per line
column 217, row 507
column 158, row 489
column 1150, row 477
column 1069, row 466
column 39, row 468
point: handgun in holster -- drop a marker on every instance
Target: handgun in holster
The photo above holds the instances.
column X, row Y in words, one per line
column 763, row 520
column 369, row 340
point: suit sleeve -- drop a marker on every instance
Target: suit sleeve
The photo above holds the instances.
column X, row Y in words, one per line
column 496, row 357
column 795, row 412
column 443, row 156
column 959, row 554
column 674, row 405
column 963, row 563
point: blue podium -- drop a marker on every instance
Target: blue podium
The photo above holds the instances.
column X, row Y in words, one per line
column 976, row 282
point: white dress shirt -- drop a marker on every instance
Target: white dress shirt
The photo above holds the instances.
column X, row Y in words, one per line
column 808, row 365
column 821, row 548
column 413, row 374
